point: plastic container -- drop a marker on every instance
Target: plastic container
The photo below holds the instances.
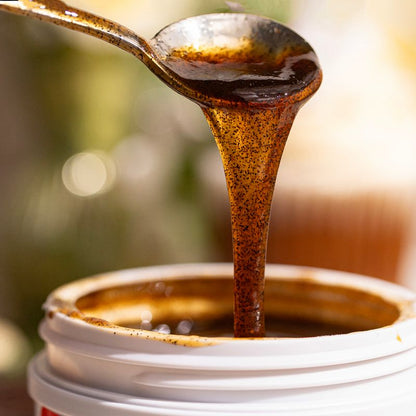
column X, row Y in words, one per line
column 94, row 366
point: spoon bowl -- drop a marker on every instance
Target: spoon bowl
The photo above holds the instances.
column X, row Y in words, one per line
column 214, row 56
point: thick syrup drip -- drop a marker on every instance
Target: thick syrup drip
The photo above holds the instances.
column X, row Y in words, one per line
column 250, row 98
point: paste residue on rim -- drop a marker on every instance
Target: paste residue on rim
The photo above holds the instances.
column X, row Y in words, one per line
column 350, row 309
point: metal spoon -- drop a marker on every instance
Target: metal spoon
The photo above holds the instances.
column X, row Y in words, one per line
column 225, row 30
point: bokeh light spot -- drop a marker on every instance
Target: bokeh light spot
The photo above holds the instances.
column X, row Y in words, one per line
column 88, row 173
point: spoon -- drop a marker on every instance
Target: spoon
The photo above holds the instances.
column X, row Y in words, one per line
column 214, row 32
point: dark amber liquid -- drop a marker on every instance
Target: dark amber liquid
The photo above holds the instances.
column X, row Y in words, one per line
column 223, row 327
column 250, row 76
column 250, row 95
column 250, row 98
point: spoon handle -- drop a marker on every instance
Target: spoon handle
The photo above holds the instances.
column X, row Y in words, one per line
column 57, row 12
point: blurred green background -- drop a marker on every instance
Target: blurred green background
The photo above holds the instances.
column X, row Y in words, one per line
column 102, row 167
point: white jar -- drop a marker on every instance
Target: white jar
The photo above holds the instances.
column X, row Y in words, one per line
column 93, row 367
